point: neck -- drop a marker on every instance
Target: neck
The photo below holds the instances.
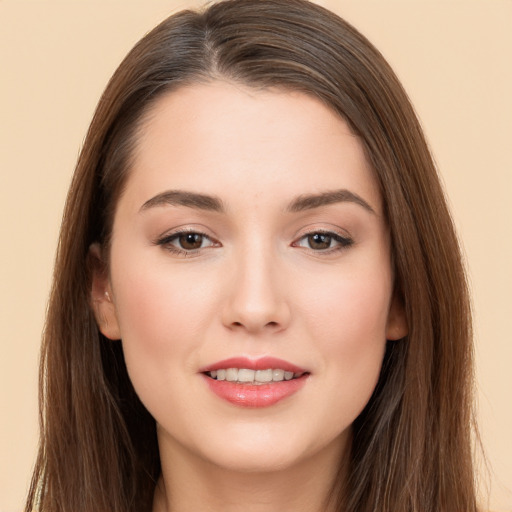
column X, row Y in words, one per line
column 191, row 483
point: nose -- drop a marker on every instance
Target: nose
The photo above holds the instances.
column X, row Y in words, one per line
column 256, row 300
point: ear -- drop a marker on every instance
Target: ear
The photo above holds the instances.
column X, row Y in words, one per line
column 102, row 298
column 396, row 327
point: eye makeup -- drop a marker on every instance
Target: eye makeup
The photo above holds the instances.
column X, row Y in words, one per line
column 190, row 242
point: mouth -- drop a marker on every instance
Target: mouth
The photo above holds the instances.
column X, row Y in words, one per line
column 254, row 377
column 253, row 383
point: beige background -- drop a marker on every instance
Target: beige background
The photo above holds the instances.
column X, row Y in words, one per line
column 454, row 58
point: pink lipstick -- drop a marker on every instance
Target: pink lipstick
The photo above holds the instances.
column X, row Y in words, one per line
column 254, row 382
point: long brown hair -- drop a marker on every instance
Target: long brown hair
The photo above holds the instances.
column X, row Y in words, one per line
column 411, row 449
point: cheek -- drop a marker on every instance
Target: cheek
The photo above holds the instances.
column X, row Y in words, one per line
column 161, row 314
column 349, row 310
column 349, row 329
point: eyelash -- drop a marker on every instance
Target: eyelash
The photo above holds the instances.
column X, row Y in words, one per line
column 343, row 242
column 166, row 241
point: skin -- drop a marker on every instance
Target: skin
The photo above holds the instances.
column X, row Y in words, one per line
column 256, row 287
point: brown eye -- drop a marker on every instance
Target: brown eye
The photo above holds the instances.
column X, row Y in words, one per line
column 319, row 241
column 190, row 241
column 327, row 242
column 186, row 242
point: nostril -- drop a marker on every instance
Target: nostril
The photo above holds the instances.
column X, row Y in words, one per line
column 268, row 324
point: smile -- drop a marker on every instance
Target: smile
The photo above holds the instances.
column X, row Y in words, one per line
column 254, row 383
column 254, row 377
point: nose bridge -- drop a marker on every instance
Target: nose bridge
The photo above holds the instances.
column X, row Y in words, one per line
column 256, row 300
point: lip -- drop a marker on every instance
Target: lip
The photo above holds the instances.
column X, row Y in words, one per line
column 255, row 396
column 262, row 363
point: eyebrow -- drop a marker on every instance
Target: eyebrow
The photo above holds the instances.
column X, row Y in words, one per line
column 311, row 201
column 184, row 198
column 214, row 204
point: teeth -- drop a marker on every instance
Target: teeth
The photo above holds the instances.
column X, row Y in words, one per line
column 277, row 375
column 232, row 374
column 263, row 376
column 244, row 375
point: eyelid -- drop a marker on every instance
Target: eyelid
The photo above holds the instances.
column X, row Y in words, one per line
column 165, row 241
column 344, row 239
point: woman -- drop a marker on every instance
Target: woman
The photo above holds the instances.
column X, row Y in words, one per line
column 259, row 299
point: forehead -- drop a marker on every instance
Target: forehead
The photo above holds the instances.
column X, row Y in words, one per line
column 231, row 140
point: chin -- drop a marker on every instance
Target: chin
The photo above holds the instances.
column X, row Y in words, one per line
column 267, row 451
column 257, row 460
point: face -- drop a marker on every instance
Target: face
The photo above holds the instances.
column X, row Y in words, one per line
column 250, row 236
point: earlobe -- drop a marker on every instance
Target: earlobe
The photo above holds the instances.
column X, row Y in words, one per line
column 101, row 295
column 396, row 327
